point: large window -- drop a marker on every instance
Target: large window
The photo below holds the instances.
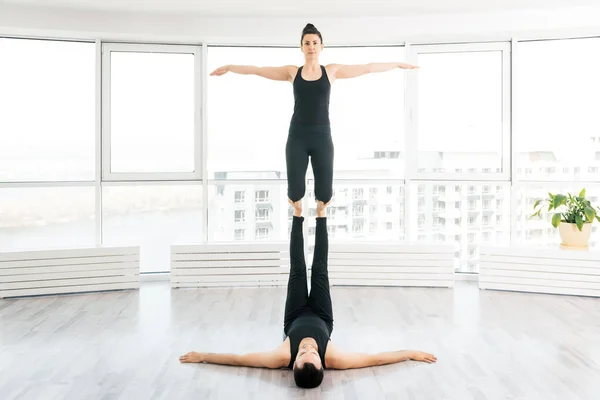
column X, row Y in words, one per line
column 462, row 100
column 36, row 218
column 453, row 159
column 47, row 110
column 152, row 217
column 151, row 115
column 557, row 129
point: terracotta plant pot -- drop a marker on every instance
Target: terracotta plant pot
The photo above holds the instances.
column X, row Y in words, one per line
column 571, row 236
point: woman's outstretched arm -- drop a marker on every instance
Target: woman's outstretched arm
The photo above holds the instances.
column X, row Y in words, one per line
column 269, row 359
column 341, row 71
column 285, row 73
column 338, row 359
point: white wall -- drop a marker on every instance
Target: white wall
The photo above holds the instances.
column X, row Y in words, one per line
column 21, row 20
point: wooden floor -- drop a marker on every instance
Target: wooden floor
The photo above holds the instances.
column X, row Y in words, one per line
column 125, row 345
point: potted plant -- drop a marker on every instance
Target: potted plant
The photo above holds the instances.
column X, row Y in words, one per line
column 574, row 221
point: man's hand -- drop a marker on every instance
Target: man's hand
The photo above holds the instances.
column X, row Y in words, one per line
column 422, row 356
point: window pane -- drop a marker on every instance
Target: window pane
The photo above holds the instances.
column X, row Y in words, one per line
column 371, row 212
column 47, row 103
column 248, row 212
column 558, row 128
column 152, row 112
column 464, row 215
column 153, row 217
column 460, row 112
column 248, row 116
column 46, row 218
column 539, row 231
column 367, row 115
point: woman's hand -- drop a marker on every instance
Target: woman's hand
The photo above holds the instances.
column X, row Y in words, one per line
column 408, row 66
column 422, row 356
column 191, row 357
column 220, row 71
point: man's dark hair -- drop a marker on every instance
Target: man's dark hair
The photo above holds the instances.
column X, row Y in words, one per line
column 308, row 376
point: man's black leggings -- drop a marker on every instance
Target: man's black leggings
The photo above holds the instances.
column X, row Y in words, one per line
column 317, row 143
column 298, row 301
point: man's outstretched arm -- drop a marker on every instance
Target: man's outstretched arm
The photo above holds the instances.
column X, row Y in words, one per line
column 270, row 359
column 337, row 359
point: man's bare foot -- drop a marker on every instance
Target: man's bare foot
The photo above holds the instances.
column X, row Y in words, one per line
column 321, row 208
column 297, row 207
column 191, row 357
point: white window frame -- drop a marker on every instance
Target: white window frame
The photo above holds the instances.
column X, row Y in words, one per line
column 107, row 50
column 412, row 90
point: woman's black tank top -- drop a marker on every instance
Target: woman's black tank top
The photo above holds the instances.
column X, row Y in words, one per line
column 311, row 100
column 308, row 325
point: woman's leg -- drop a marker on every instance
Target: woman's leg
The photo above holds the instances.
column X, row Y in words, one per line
column 321, row 158
column 320, row 296
column 297, row 289
column 296, row 158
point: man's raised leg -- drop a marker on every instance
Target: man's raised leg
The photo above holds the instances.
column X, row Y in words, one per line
column 297, row 290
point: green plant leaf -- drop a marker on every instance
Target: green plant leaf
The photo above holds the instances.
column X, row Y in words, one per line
column 556, row 220
column 579, row 222
column 537, row 203
column 558, row 200
column 582, row 193
column 598, row 218
column 536, row 214
column 590, row 213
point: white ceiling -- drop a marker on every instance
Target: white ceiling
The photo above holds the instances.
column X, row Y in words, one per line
column 304, row 8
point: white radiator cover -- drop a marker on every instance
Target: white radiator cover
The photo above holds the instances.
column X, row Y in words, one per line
column 48, row 272
column 355, row 264
column 540, row 270
column 229, row 264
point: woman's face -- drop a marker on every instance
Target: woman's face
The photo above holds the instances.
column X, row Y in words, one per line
column 311, row 46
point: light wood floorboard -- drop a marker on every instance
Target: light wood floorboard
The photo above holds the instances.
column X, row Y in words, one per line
column 126, row 344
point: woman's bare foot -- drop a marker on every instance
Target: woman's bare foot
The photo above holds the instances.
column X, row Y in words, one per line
column 191, row 357
column 321, row 207
column 297, row 207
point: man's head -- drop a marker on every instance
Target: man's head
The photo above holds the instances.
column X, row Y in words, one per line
column 308, row 368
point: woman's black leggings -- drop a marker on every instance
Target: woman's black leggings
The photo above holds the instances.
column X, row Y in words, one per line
column 298, row 300
column 317, row 143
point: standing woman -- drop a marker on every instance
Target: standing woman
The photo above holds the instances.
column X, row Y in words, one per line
column 309, row 132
